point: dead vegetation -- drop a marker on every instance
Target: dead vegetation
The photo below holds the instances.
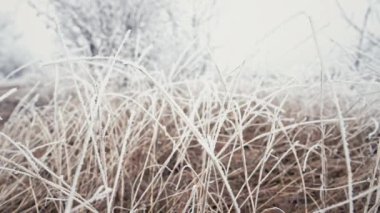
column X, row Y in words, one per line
column 185, row 146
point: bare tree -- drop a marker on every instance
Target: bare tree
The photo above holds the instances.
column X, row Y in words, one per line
column 159, row 30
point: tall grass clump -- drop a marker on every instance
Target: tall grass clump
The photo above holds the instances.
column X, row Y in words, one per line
column 85, row 142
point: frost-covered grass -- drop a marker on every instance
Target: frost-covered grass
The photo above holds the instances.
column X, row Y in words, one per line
column 105, row 134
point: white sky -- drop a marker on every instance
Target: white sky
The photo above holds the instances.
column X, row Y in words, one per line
column 242, row 23
column 36, row 38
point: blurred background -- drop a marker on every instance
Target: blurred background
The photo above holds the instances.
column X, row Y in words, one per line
column 268, row 36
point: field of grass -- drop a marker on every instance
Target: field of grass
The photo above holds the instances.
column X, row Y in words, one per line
column 107, row 135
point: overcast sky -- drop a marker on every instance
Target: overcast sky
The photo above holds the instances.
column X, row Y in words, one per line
column 242, row 25
column 35, row 37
